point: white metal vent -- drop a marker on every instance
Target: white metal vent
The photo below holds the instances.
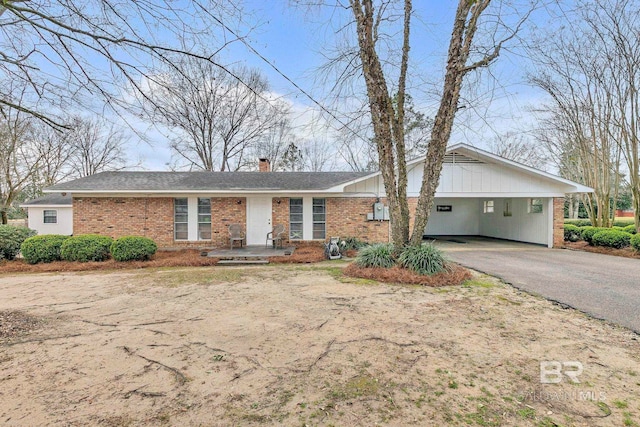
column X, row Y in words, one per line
column 459, row 158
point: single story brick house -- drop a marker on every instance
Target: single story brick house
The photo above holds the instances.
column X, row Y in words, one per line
column 479, row 194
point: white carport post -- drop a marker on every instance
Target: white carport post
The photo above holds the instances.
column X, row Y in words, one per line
column 550, row 215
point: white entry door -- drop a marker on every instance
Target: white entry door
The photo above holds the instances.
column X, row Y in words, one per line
column 258, row 219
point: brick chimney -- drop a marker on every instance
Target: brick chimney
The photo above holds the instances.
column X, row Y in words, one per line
column 264, row 165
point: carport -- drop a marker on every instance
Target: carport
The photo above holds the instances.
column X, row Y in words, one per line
column 482, row 194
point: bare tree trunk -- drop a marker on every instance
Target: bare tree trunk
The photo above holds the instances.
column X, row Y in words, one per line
column 382, row 116
column 464, row 29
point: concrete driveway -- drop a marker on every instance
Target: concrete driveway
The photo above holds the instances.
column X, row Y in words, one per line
column 603, row 286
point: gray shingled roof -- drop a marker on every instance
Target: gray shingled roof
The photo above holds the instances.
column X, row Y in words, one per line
column 49, row 199
column 207, row 181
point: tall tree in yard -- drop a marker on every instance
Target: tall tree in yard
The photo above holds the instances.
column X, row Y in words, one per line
column 92, row 52
column 19, row 160
column 388, row 112
column 592, row 76
column 218, row 117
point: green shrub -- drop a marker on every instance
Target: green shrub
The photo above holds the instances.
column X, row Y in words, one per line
column 623, row 222
column 425, row 259
column 86, row 247
column 635, row 242
column 44, row 248
column 611, row 238
column 11, row 237
column 630, row 229
column 379, row 255
column 352, row 243
column 133, row 248
column 578, row 222
column 572, row 233
column 588, row 232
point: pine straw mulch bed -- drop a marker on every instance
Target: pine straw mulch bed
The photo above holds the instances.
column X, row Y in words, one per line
column 180, row 258
column 584, row 246
column 453, row 277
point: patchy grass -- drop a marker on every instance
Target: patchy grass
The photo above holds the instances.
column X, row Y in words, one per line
column 297, row 345
column 179, row 277
column 454, row 276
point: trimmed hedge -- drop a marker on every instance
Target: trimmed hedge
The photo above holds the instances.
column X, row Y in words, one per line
column 578, row 222
column 11, row 238
column 133, row 248
column 86, row 247
column 588, row 232
column 630, row 229
column 611, row 238
column 425, row 259
column 44, row 248
column 572, row 233
column 623, row 222
column 635, row 242
column 379, row 255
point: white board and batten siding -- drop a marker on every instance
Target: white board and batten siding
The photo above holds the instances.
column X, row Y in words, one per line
column 483, row 179
column 465, row 177
column 467, row 182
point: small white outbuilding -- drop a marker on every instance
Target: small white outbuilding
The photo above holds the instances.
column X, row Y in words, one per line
column 50, row 214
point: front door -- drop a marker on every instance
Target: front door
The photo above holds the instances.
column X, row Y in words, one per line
column 258, row 219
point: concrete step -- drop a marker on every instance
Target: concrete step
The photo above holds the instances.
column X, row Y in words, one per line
column 242, row 261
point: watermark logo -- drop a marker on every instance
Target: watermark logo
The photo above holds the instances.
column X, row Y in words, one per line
column 552, row 371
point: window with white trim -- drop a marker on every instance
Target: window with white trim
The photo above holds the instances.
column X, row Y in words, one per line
column 295, row 218
column 50, row 216
column 319, row 218
column 488, row 206
column 181, row 219
column 204, row 218
column 535, row 205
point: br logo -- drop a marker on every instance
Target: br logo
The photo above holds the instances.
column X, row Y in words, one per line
column 551, row 371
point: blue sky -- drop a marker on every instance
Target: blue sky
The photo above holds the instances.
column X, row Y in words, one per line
column 294, row 39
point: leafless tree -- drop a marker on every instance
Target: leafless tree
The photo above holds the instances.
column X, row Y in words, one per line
column 19, row 162
column 614, row 28
column 317, row 154
column 278, row 144
column 69, row 51
column 218, row 116
column 95, row 146
column 518, row 148
column 584, row 122
column 388, row 113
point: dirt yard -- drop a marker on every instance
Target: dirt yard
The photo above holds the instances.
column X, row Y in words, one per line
column 300, row 345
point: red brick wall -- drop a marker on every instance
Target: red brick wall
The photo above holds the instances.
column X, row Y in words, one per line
column 153, row 217
column 224, row 212
column 122, row 216
column 280, row 213
column 558, row 222
column 347, row 217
